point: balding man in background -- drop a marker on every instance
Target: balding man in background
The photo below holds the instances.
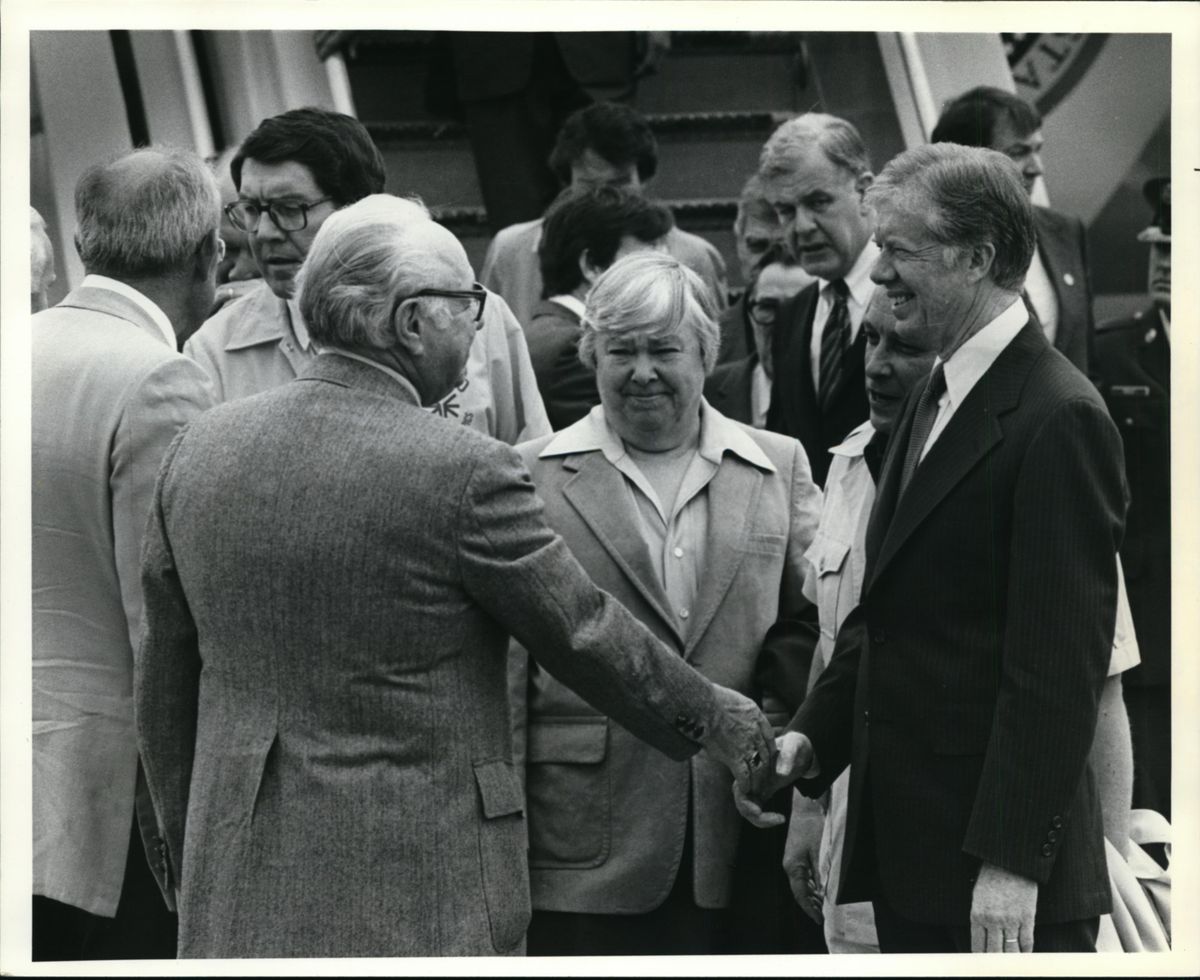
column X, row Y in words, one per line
column 109, row 393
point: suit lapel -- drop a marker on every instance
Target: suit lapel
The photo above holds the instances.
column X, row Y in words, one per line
column 969, row 436
column 1058, row 254
column 732, row 497
column 597, row 492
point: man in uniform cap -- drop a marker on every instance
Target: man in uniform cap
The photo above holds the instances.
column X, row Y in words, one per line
column 1134, row 367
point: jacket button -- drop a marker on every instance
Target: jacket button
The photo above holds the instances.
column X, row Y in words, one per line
column 878, row 636
column 1047, row 850
column 1052, row 836
column 1056, row 823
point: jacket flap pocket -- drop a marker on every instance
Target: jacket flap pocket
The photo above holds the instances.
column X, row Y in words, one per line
column 568, row 741
column 499, row 789
column 826, row 554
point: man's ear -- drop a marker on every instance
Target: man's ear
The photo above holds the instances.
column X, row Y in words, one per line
column 209, row 253
column 589, row 271
column 980, row 259
column 409, row 327
column 861, row 183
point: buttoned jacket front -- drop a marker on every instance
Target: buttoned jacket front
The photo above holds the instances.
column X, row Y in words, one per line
column 964, row 687
column 607, row 816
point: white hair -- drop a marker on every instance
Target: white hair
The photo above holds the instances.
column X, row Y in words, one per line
column 364, row 256
column 650, row 292
column 145, row 213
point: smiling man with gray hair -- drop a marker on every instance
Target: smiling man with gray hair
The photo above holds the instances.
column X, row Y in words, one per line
column 332, row 575
column 109, row 394
column 986, row 617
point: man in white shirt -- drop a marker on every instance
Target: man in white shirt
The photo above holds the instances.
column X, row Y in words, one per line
column 291, row 174
column 965, row 685
column 815, row 172
column 109, row 393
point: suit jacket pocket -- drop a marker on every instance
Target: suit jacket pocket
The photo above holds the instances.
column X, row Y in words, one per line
column 502, row 853
column 827, row 558
column 567, row 787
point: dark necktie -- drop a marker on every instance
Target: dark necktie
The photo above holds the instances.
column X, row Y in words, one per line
column 927, row 409
column 835, row 339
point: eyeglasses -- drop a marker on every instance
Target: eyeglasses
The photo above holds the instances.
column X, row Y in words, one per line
column 287, row 215
column 477, row 294
column 764, row 311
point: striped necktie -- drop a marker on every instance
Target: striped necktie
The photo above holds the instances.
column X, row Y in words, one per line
column 835, row 340
column 927, row 409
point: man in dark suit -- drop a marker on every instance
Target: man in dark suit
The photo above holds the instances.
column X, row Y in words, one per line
column 331, row 577
column 1133, row 362
column 1057, row 286
column 815, row 172
column 964, row 687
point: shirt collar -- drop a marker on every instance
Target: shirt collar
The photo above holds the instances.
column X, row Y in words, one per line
column 718, row 435
column 142, row 301
column 393, row 374
column 569, row 302
column 970, row 362
column 299, row 327
column 858, row 279
column 856, row 442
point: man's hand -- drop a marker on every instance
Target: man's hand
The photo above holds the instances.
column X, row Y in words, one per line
column 1002, row 912
column 801, row 856
column 795, row 759
column 741, row 741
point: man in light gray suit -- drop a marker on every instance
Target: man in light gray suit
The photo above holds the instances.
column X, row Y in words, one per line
column 109, row 393
column 331, row 577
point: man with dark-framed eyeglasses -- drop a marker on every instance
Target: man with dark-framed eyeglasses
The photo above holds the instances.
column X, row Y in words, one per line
column 291, row 173
column 741, row 388
column 339, row 779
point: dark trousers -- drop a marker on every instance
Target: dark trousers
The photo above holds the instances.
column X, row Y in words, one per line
column 143, row 928
column 900, row 935
column 512, row 136
column 1149, row 710
column 763, row 914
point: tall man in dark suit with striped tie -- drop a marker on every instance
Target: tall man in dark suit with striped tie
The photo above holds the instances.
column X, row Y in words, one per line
column 964, row 687
column 815, row 171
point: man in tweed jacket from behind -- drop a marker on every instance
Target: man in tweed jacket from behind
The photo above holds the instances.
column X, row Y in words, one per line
column 331, row 578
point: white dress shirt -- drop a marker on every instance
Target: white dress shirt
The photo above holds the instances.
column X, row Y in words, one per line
column 970, row 363
column 858, row 281
column 1040, row 291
